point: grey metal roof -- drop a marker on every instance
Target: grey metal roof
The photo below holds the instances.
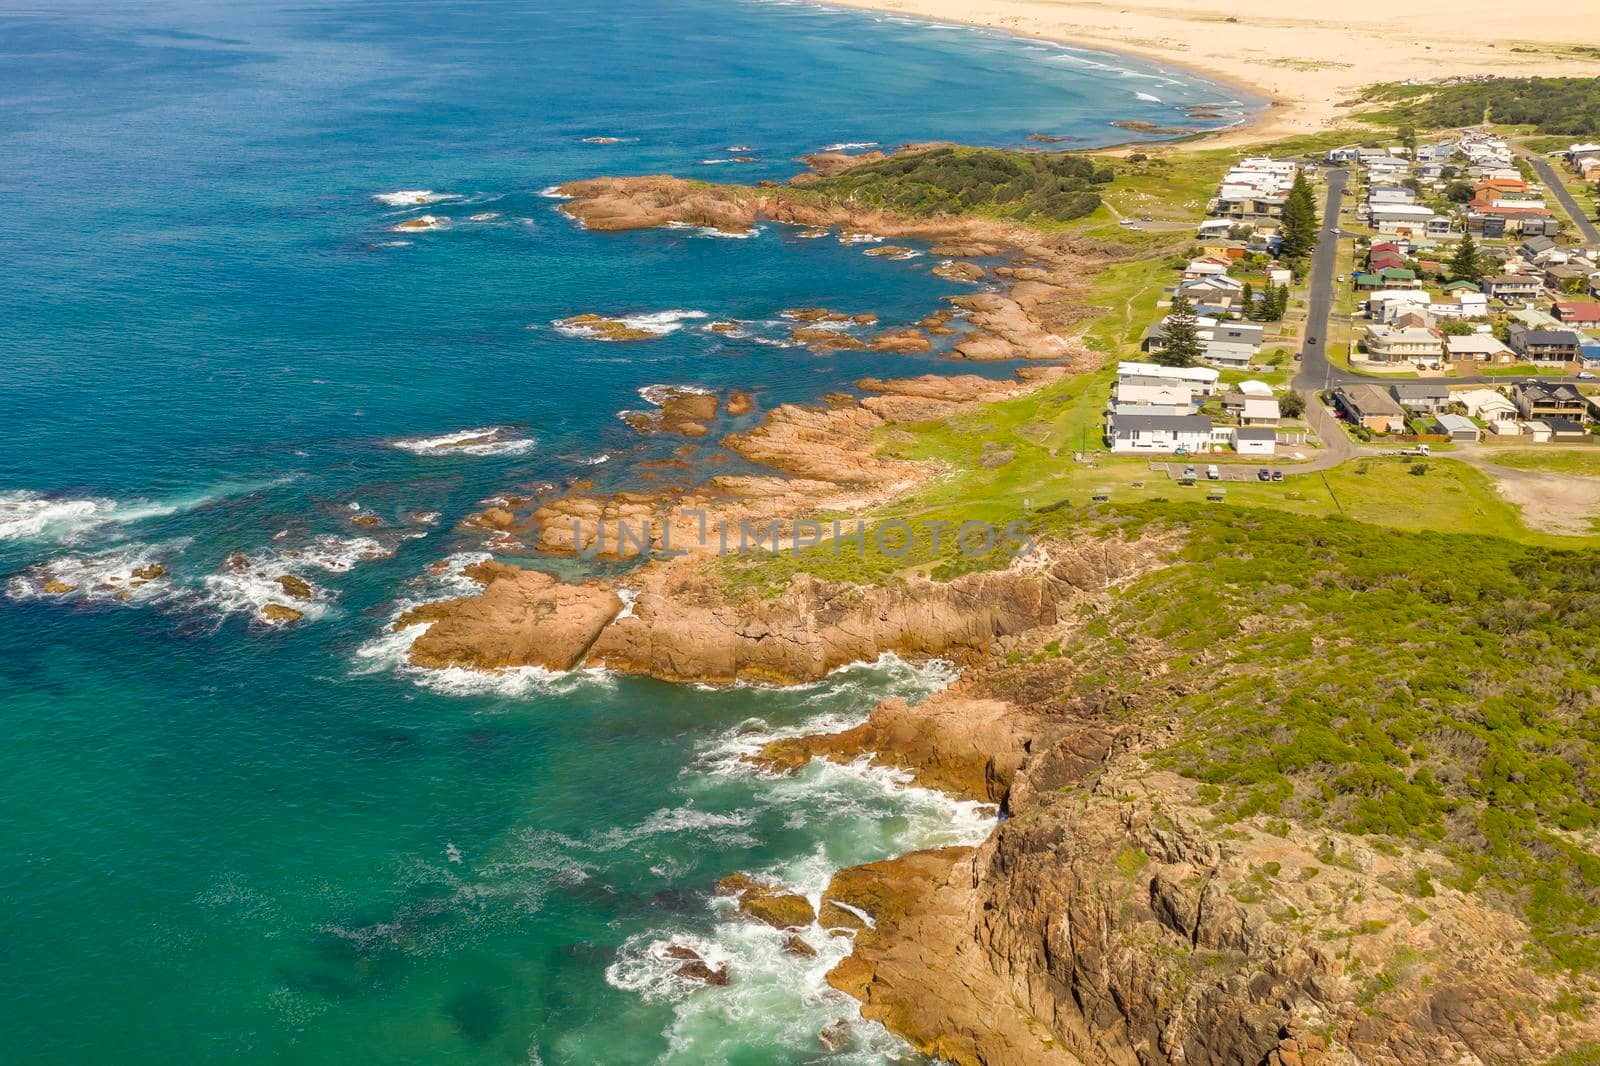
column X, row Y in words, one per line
column 1421, row 390
column 1256, row 433
column 1170, row 423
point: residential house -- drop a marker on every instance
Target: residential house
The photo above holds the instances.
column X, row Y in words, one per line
column 1204, row 267
column 1512, row 287
column 1158, row 433
column 1228, row 356
column 1252, row 410
column 1400, row 218
column 1370, row 406
column 1565, row 277
column 1550, row 347
column 1477, row 348
column 1532, row 248
column 1538, row 401
column 1199, row 379
column 1255, row 440
column 1388, row 278
column 1578, row 313
column 1386, row 305
column 1428, row 396
column 1488, row 405
column 1459, row 428
column 1386, row 344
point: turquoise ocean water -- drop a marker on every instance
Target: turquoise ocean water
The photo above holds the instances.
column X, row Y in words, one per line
column 227, row 842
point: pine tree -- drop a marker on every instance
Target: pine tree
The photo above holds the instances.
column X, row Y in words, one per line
column 1299, row 220
column 1467, row 264
column 1247, row 300
column 1180, row 341
column 1280, row 306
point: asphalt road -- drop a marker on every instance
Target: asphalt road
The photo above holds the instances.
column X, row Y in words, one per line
column 1315, row 370
column 1552, row 182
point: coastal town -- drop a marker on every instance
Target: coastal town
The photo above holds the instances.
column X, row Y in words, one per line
column 1449, row 297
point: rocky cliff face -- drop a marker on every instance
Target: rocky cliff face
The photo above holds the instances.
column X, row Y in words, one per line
column 1110, row 919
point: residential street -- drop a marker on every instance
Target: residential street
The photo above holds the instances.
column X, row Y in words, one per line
column 1315, row 371
column 1552, row 181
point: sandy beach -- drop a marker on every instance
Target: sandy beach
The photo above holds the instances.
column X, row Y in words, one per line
column 1309, row 67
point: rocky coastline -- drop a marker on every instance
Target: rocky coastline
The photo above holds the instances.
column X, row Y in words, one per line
column 1107, row 918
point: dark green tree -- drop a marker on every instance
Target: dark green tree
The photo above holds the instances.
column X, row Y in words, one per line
column 1299, row 220
column 1466, row 264
column 1280, row 303
column 1247, row 300
column 1180, row 340
column 1458, row 192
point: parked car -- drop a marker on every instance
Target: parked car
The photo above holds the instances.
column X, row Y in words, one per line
column 1263, row 474
column 1188, row 472
column 1584, row 375
column 1212, row 473
column 1277, row 475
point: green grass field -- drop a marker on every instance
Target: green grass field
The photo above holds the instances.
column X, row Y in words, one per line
column 1585, row 463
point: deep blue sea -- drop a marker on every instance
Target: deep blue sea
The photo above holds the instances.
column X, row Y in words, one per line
column 233, row 842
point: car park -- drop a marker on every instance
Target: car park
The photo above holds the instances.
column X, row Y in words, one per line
column 1277, row 475
column 1263, row 474
column 1212, row 473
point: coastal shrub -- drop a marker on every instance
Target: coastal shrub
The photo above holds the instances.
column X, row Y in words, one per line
column 1019, row 185
column 1432, row 690
column 1550, row 105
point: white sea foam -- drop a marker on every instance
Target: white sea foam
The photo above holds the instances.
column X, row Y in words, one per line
column 484, row 216
column 249, row 581
column 414, row 197
column 27, row 515
column 859, row 238
column 421, row 224
column 659, row 323
column 100, row 577
column 850, row 146
column 656, row 395
column 1148, row 98
column 712, row 231
column 861, row 812
column 484, row 441
column 553, row 192
column 598, row 460
column 628, row 598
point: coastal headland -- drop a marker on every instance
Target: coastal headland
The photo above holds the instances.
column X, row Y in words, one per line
column 1265, row 798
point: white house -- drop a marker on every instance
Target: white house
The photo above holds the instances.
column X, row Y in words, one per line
column 1158, row 433
column 1202, row 379
column 1487, row 405
column 1255, row 440
column 1161, row 392
column 1229, row 356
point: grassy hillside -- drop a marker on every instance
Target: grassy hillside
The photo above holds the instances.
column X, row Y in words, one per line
column 1017, row 185
column 1430, row 691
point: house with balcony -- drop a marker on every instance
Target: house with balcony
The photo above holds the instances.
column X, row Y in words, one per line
column 1537, row 401
column 1390, row 344
column 1546, row 347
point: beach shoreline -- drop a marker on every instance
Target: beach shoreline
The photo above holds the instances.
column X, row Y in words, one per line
column 1309, row 73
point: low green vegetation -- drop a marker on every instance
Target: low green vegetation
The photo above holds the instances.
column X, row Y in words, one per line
column 1584, row 463
column 1054, row 187
column 1427, row 689
column 1546, row 105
